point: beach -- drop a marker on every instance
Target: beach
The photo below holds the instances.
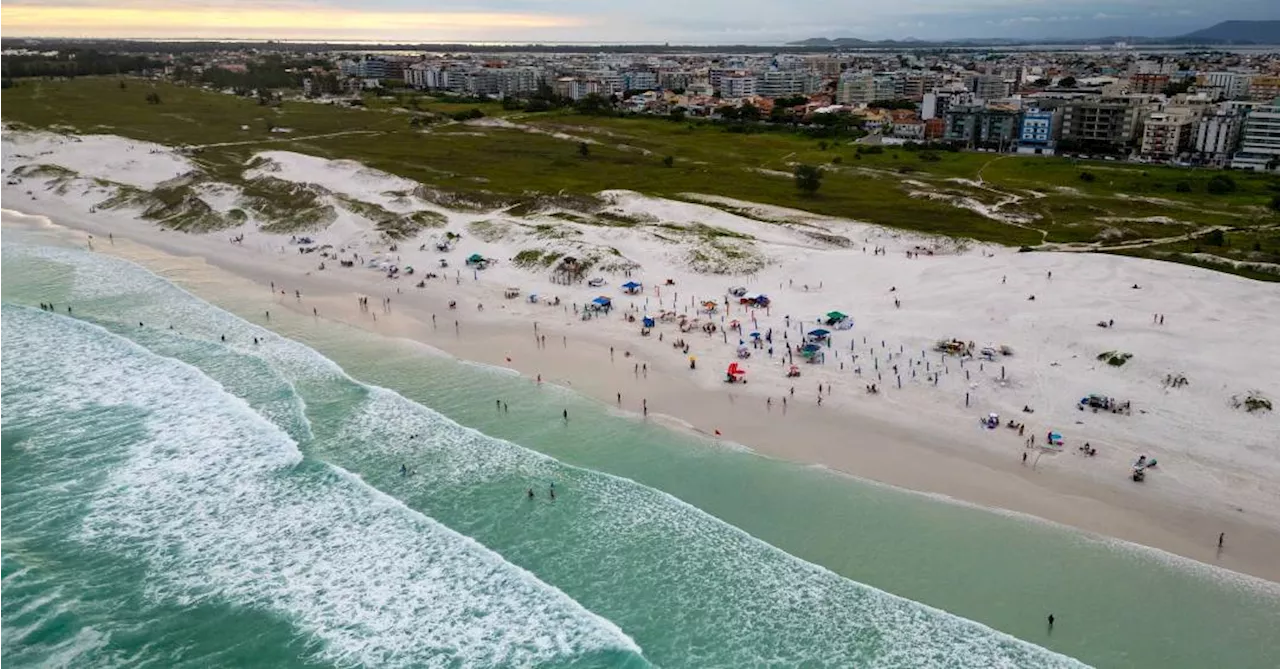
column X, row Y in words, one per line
column 1218, row 472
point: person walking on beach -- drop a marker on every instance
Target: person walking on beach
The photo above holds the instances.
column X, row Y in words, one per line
column 644, row 406
column 566, row 415
column 1024, row 457
column 1050, row 622
column 1222, row 536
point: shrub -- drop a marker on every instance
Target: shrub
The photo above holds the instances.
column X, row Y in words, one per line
column 1221, row 184
column 1215, row 238
column 1087, row 177
column 1115, row 358
column 1183, row 187
column 669, row 161
column 837, row 160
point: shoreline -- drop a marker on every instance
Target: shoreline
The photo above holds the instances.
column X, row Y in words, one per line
column 890, row 444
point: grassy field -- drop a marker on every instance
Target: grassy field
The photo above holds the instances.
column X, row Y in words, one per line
column 533, row 155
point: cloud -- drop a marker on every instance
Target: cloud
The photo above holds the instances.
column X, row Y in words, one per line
column 675, row 21
column 75, row 19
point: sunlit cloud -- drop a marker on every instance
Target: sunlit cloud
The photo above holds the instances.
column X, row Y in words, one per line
column 278, row 20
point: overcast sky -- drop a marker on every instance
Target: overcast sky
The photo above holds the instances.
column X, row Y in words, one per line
column 676, row 21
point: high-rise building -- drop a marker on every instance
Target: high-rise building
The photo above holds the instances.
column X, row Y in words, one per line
column 1216, row 137
column 1260, row 139
column 1234, row 85
column 988, row 86
column 1110, row 123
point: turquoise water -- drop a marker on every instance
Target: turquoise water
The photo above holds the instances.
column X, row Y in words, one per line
column 171, row 499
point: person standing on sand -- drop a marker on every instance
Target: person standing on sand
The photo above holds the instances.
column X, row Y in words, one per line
column 1024, row 457
column 1222, row 536
column 1050, row 622
column 566, row 415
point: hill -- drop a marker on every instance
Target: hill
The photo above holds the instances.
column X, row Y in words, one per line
column 1241, row 32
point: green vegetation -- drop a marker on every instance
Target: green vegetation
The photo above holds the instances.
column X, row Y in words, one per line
column 1147, row 209
column 808, row 178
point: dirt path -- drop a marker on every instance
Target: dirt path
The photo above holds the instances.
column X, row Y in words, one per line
column 340, row 133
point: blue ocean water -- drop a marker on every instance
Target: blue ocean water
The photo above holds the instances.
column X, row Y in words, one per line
column 174, row 499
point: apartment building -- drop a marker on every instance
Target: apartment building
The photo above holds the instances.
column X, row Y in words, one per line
column 1038, row 133
column 1260, row 139
column 738, row 85
column 782, row 83
column 639, row 80
column 1234, row 85
column 988, row 86
column 1264, row 87
column 863, row 88
column 1148, row 84
column 977, row 126
column 1103, row 122
column 1215, row 138
column 1165, row 135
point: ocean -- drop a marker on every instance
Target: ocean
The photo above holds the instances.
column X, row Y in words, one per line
column 175, row 494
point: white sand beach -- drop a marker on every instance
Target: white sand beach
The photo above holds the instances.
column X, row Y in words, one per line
column 1219, row 466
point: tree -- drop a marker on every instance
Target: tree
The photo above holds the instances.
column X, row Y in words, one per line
column 1215, row 238
column 1087, row 177
column 669, row 161
column 153, row 98
column 1067, row 82
column 1275, row 203
column 808, row 178
column 583, row 149
column 1182, row 187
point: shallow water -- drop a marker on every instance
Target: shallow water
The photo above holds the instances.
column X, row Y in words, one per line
column 174, row 499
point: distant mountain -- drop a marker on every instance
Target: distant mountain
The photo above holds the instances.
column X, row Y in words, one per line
column 1238, row 32
column 1227, row 32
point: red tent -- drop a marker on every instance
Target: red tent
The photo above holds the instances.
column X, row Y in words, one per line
column 735, row 370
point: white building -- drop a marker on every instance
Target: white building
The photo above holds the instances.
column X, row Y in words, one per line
column 737, row 86
column 1165, row 135
column 1234, row 85
column 1260, row 139
column 784, row 83
column 1216, row 137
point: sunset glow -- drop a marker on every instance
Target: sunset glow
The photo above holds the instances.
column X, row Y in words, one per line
column 267, row 21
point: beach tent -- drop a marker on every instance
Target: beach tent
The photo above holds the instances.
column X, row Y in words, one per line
column 602, row 301
column 819, row 334
column 648, row 322
column 631, row 287
column 735, row 371
column 834, row 317
column 476, row 259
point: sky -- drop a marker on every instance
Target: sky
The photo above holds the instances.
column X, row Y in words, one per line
column 605, row 21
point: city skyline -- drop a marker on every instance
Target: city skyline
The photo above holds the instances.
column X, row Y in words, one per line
column 709, row 22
